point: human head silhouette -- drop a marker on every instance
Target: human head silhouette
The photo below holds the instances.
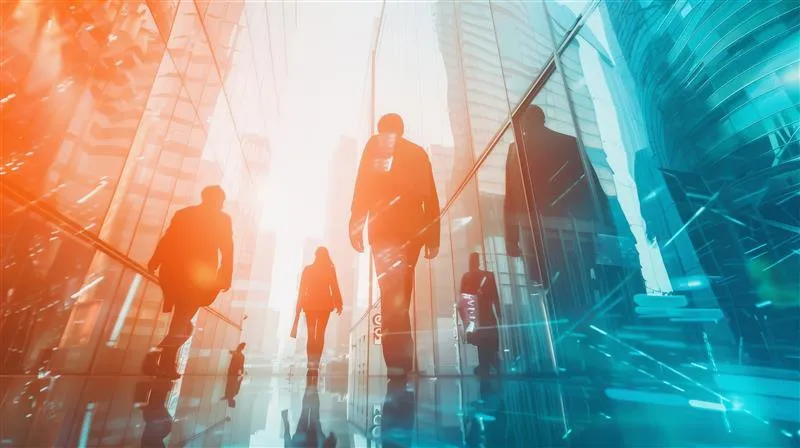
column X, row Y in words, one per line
column 321, row 255
column 391, row 124
column 474, row 261
column 534, row 116
column 213, row 196
column 241, row 347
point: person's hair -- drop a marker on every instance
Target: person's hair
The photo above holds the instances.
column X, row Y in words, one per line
column 535, row 114
column 213, row 193
column 321, row 255
column 241, row 346
column 391, row 123
column 475, row 258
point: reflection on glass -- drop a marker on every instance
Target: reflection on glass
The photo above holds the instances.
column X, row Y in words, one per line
column 480, row 311
column 524, row 41
column 398, row 415
column 75, row 83
column 157, row 419
column 585, row 255
column 308, row 432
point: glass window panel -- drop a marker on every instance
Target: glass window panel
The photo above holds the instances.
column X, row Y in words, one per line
column 444, row 299
column 684, row 178
column 71, row 114
column 564, row 14
column 523, row 316
column 583, row 272
column 525, row 43
column 466, row 236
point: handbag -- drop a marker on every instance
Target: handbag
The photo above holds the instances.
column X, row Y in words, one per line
column 468, row 310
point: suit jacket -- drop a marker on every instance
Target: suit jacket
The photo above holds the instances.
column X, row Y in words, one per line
column 483, row 285
column 402, row 204
column 319, row 289
column 553, row 175
column 195, row 256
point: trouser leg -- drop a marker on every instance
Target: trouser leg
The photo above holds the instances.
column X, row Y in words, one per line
column 311, row 343
column 395, row 269
column 322, row 323
column 180, row 330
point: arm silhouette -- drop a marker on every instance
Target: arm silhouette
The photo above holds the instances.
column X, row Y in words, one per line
column 513, row 199
column 491, row 288
column 361, row 199
column 167, row 242
column 226, row 250
column 431, row 208
column 336, row 293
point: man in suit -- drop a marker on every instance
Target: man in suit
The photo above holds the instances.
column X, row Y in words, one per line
column 561, row 234
column 194, row 261
column 396, row 190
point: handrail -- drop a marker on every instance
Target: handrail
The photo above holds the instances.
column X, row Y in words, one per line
column 53, row 216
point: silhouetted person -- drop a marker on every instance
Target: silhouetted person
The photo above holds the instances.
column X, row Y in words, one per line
column 232, row 387
column 553, row 172
column 396, row 190
column 309, row 431
column 235, row 375
column 157, row 419
column 236, row 366
column 569, row 219
column 398, row 415
column 482, row 286
column 194, row 260
column 319, row 295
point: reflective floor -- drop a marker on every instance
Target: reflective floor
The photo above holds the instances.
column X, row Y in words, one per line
column 276, row 411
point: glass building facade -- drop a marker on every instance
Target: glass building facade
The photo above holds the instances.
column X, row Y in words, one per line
column 114, row 116
column 629, row 171
column 655, row 218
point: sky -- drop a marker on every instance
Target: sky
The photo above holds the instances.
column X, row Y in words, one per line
column 322, row 99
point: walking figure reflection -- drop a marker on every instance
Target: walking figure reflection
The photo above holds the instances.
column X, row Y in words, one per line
column 194, row 262
column 157, row 419
column 486, row 422
column 570, row 225
column 319, row 295
column 398, row 415
column 308, row 432
column 395, row 189
column 235, row 375
column 479, row 307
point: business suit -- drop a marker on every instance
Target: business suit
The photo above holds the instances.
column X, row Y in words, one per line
column 403, row 209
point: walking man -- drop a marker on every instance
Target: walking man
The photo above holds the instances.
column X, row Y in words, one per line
column 194, row 262
column 395, row 196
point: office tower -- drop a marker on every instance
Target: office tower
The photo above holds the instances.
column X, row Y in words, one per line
column 719, row 123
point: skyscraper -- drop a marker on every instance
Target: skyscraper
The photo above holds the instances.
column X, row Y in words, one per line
column 718, row 120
